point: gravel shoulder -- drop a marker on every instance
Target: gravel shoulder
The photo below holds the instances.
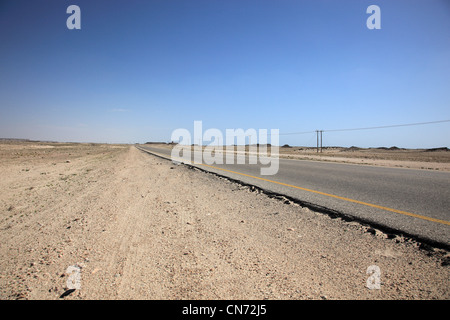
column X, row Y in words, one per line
column 140, row 227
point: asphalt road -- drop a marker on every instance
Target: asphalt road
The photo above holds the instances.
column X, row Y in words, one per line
column 412, row 202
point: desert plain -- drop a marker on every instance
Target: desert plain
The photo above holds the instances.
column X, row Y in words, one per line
column 139, row 227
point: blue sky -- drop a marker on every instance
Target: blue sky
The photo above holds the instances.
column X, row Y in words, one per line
column 137, row 70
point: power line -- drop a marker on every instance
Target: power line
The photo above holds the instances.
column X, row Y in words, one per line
column 369, row 128
column 283, row 134
column 390, row 126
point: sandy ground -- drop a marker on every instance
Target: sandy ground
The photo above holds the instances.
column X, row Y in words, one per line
column 139, row 227
column 426, row 159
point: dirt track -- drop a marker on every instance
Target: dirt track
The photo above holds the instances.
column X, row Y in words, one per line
column 140, row 227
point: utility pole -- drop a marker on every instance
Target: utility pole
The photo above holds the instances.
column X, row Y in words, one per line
column 321, row 141
column 317, row 134
column 319, row 137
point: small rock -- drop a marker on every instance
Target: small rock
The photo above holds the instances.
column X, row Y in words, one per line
column 95, row 270
column 290, row 229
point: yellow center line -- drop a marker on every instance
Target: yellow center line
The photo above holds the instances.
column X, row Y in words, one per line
column 325, row 194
